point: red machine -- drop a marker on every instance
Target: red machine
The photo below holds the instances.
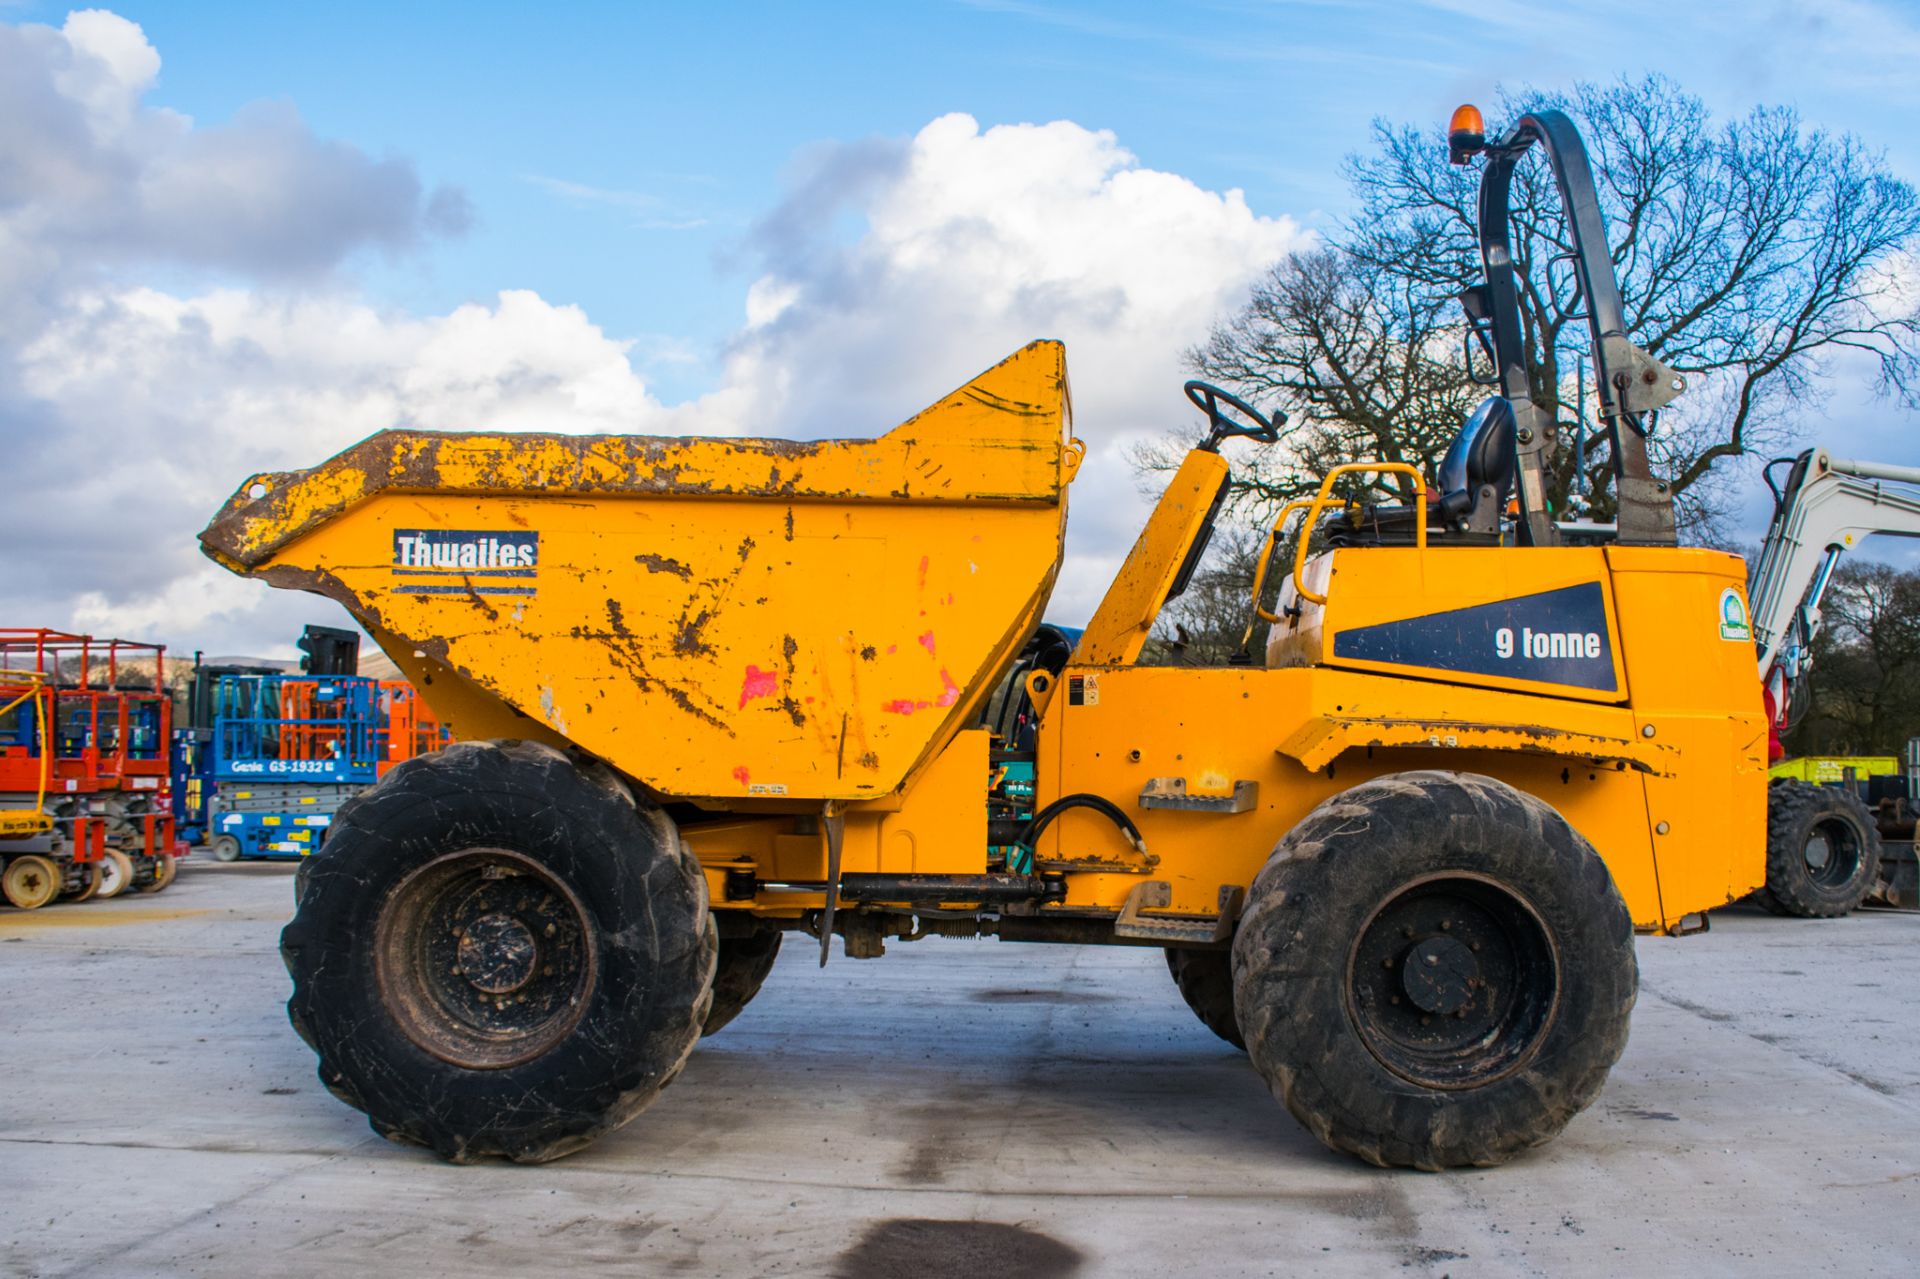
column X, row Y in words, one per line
column 409, row 726
column 84, row 730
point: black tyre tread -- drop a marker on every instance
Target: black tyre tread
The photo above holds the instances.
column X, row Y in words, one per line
column 1205, row 980
column 1318, row 1068
column 668, row 1017
column 743, row 966
column 1792, row 809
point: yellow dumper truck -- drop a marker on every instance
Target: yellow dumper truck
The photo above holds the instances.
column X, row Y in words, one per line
column 714, row 690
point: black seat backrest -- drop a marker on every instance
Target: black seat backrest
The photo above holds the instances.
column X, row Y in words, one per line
column 1480, row 457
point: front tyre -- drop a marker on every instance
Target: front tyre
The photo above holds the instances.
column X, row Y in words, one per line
column 497, row 952
column 1434, row 970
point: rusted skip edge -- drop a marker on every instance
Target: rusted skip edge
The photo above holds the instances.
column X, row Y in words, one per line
column 1026, row 463
column 1324, row 738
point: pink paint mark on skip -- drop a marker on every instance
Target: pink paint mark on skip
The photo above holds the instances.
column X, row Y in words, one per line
column 892, row 649
column 758, row 683
column 923, row 572
column 903, row 706
column 949, row 598
column 926, row 641
column 950, row 691
column 741, row 775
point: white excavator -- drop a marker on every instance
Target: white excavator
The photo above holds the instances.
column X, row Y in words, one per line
column 1824, row 850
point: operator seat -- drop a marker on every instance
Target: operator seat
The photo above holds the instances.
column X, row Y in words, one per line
column 1476, row 473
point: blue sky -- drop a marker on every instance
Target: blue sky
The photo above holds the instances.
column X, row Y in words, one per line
column 721, row 217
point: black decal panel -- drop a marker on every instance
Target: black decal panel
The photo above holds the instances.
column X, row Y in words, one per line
column 1553, row 637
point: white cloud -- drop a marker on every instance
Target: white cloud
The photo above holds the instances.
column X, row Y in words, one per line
column 154, row 407
column 972, row 243
column 893, row 271
column 92, row 180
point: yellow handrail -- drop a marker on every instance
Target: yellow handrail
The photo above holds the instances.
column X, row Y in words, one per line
column 36, row 683
column 1266, row 554
column 1322, row 499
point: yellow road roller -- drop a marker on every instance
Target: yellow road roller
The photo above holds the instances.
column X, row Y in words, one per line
column 710, row 692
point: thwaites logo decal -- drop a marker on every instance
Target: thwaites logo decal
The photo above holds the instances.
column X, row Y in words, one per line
column 1553, row 637
column 1733, row 618
column 466, row 561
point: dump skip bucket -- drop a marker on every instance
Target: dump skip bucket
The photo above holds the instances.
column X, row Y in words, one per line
column 720, row 619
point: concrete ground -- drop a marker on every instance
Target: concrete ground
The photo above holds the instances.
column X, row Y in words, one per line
column 957, row 1108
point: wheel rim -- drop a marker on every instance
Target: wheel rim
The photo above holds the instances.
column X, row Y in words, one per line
column 1453, row 981
column 226, row 849
column 116, row 872
column 483, row 958
column 31, row 882
column 1832, row 853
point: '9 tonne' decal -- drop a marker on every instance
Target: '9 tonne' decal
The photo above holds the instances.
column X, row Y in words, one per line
column 1553, row 637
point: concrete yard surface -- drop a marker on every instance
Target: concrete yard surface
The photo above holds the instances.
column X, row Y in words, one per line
column 957, row 1108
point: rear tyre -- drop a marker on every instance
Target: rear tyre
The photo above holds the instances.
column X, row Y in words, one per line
column 743, row 965
column 499, row 953
column 1823, row 851
column 1205, row 979
column 30, row 881
column 226, row 848
column 1434, row 970
column 116, row 873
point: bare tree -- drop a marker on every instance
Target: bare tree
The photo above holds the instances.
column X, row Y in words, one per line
column 1749, row 253
column 1863, row 694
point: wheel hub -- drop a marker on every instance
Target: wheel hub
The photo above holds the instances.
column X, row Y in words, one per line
column 497, row 954
column 1439, row 975
column 1453, row 981
column 484, row 958
column 1833, row 853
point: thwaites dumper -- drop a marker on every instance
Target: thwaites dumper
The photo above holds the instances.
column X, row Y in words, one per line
column 723, row 688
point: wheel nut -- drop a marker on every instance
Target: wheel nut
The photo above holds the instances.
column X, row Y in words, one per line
column 1446, row 925
column 1393, row 999
column 550, row 930
column 1426, row 1021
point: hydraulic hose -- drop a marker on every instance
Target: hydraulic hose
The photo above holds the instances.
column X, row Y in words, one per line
column 1106, row 808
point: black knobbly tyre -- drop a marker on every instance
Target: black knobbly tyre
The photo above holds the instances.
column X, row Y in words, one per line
column 497, row 952
column 1823, row 850
column 746, row 957
column 1205, row 981
column 1434, row 970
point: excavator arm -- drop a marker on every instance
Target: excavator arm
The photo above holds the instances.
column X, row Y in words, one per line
column 1827, row 505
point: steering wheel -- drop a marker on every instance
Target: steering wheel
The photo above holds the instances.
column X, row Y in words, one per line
column 1253, row 424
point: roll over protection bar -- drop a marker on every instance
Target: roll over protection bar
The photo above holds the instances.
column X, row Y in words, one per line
column 1631, row 382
